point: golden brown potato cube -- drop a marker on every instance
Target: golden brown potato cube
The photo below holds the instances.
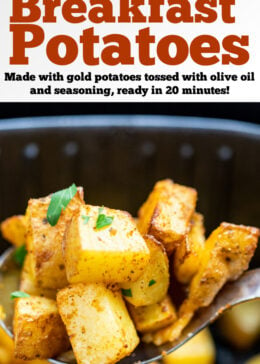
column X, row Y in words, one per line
column 98, row 323
column 227, row 254
column 198, row 350
column 7, row 352
column 152, row 286
column 44, row 242
column 28, row 282
column 167, row 213
column 187, row 254
column 39, row 332
column 153, row 317
column 241, row 325
column 14, row 229
column 114, row 253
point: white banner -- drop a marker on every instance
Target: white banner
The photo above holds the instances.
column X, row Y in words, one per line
column 101, row 51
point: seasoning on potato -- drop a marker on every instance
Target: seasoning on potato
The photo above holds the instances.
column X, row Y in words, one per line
column 95, row 251
column 167, row 213
column 39, row 332
column 29, row 284
column 227, row 254
column 14, row 229
column 152, row 286
column 188, row 253
column 86, row 307
column 44, row 242
column 153, row 317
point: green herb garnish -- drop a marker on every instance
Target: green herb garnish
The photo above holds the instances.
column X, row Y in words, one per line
column 85, row 219
column 59, row 202
column 19, row 255
column 151, row 283
column 103, row 220
column 127, row 292
column 19, row 294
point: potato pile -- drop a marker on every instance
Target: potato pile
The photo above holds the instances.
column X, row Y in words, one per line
column 94, row 276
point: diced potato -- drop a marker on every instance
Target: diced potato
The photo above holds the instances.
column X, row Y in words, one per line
column 7, row 352
column 227, row 254
column 28, row 282
column 14, row 229
column 187, row 255
column 167, row 333
column 167, row 213
column 198, row 350
column 98, row 323
column 152, row 286
column 153, row 317
column 241, row 324
column 254, row 360
column 44, row 242
column 39, row 332
column 116, row 253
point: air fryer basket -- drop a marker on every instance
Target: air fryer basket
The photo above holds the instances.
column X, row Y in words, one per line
column 118, row 159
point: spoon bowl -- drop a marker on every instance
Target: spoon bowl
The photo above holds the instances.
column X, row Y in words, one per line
column 246, row 288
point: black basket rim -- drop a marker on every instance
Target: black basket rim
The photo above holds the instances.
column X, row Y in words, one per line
column 130, row 122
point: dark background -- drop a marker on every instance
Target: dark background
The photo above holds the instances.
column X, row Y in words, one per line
column 236, row 111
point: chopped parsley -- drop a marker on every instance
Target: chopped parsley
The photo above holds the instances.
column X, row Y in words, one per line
column 19, row 255
column 59, row 202
column 85, row 219
column 151, row 283
column 127, row 292
column 19, row 294
column 103, row 220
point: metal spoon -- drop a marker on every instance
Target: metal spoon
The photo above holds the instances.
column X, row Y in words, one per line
column 246, row 288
